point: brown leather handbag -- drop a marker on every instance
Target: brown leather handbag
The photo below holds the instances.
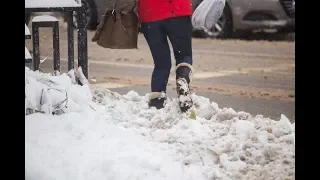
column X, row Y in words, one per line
column 118, row 28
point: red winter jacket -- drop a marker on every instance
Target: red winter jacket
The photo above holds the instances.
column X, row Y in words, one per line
column 154, row 10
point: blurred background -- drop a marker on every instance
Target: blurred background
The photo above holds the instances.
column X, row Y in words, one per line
column 246, row 19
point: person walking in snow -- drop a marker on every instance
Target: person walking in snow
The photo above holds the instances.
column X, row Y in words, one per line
column 172, row 19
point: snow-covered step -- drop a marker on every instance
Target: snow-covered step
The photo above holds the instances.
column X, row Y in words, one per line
column 27, row 56
column 44, row 18
column 27, row 32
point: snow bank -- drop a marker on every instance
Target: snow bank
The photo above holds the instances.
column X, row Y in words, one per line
column 118, row 137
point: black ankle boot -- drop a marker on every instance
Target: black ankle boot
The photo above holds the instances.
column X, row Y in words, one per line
column 157, row 100
column 183, row 91
column 158, row 103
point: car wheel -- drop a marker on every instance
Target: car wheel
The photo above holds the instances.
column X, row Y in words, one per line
column 223, row 28
column 91, row 11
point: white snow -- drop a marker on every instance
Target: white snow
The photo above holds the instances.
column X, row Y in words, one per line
column 44, row 18
column 283, row 127
column 51, row 3
column 27, row 54
column 81, row 76
column 72, row 76
column 99, row 134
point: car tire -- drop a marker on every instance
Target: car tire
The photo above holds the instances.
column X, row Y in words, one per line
column 92, row 19
column 223, row 28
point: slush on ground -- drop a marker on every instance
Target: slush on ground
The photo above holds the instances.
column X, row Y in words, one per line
column 99, row 134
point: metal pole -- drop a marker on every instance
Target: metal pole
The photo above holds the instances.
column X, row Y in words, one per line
column 36, row 51
column 85, row 44
column 56, row 48
column 70, row 41
column 82, row 41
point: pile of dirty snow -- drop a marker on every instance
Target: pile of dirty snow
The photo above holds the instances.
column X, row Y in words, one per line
column 100, row 134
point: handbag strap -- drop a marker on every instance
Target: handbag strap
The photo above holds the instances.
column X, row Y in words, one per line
column 114, row 6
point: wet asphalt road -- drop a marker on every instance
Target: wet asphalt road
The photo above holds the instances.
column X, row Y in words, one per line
column 252, row 76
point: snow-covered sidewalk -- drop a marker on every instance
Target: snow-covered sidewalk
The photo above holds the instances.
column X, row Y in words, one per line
column 118, row 137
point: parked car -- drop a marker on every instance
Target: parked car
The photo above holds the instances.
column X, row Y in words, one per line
column 238, row 16
column 251, row 15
